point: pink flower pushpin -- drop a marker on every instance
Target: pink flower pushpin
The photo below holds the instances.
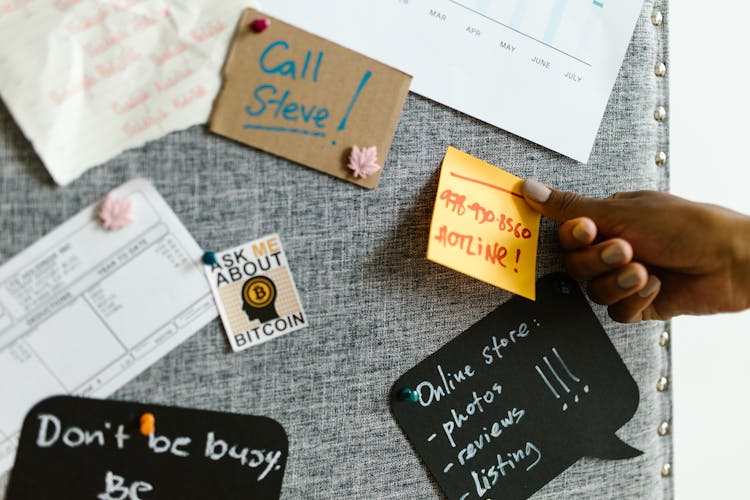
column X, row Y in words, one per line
column 115, row 213
column 362, row 161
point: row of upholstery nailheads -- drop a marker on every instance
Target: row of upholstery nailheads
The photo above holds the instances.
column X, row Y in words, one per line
column 660, row 158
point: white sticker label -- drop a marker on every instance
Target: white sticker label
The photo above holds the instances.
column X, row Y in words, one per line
column 255, row 293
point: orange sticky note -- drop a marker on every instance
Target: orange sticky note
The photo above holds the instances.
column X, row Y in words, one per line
column 482, row 226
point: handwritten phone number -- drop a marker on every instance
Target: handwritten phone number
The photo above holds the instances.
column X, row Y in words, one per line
column 457, row 204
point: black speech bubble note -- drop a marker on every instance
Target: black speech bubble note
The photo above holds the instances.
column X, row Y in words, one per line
column 501, row 418
column 62, row 471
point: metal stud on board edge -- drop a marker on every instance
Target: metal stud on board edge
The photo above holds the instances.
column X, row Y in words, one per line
column 666, row 470
column 657, row 17
column 663, row 429
column 660, row 114
column 662, row 384
column 664, row 339
column 660, row 159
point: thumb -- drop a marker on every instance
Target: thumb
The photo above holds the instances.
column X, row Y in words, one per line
column 561, row 206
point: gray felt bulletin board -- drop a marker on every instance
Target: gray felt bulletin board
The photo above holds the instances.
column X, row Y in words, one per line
column 376, row 306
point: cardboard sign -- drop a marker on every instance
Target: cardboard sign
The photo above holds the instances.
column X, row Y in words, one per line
column 307, row 99
column 482, row 226
column 255, row 293
column 87, row 448
column 519, row 397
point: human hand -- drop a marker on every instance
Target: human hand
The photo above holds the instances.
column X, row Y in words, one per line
column 649, row 255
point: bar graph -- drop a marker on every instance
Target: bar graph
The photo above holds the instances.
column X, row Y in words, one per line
column 542, row 69
column 558, row 24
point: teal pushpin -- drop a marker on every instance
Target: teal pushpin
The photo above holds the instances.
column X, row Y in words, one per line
column 407, row 394
column 209, row 258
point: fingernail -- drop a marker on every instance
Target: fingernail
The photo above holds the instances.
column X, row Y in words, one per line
column 536, row 191
column 613, row 255
column 581, row 233
column 651, row 287
column 628, row 279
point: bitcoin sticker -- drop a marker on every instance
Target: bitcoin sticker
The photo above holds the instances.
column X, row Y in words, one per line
column 258, row 292
column 255, row 293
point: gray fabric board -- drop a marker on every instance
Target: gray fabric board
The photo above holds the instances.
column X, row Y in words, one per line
column 376, row 305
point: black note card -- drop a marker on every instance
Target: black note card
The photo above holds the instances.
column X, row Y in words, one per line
column 75, row 448
column 519, row 397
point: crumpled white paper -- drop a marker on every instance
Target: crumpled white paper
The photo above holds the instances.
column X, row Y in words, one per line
column 88, row 79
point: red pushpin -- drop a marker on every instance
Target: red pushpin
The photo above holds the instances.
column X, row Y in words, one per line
column 260, row 25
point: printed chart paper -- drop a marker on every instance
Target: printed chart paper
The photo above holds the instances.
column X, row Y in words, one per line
column 255, row 293
column 304, row 98
column 86, row 80
column 540, row 69
column 482, row 226
column 84, row 310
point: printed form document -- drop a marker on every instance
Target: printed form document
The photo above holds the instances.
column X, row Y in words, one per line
column 84, row 310
column 541, row 69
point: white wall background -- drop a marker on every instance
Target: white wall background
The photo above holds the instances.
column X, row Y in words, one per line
column 710, row 161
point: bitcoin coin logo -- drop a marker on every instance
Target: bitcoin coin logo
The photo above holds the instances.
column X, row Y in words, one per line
column 258, row 292
column 259, row 297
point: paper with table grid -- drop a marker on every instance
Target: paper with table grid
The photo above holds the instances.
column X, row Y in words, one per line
column 84, row 310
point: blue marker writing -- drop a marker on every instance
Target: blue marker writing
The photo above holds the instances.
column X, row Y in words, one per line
column 283, row 107
column 288, row 67
column 270, row 101
column 362, row 84
column 284, row 129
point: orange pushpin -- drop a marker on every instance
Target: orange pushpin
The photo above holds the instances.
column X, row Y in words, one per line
column 148, row 423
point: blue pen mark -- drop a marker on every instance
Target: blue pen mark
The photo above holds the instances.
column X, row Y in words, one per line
column 284, row 129
column 307, row 63
column 317, row 66
column 362, row 84
column 598, row 4
column 333, row 142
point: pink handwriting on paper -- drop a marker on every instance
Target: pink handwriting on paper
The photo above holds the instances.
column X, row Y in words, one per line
column 209, row 30
column 142, row 22
column 137, row 68
column 86, row 22
column 190, row 97
column 101, row 46
column 126, row 4
column 72, row 89
column 131, row 102
column 117, row 65
column 175, row 78
column 11, row 6
column 146, row 122
column 168, row 54
column 63, row 5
